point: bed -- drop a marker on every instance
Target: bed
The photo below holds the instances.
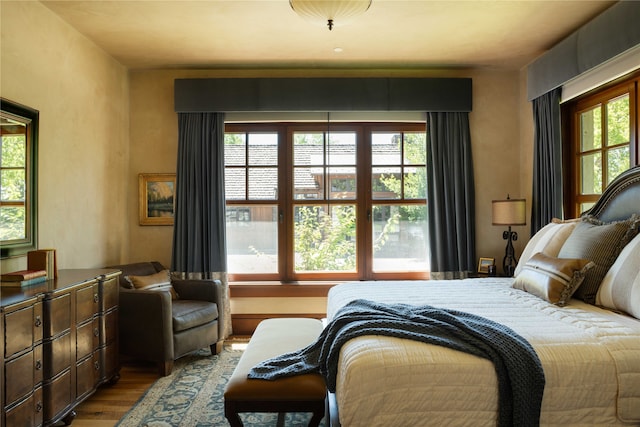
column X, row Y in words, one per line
column 587, row 336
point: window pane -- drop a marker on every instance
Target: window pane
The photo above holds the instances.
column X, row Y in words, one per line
column 308, row 183
column 400, row 238
column 617, row 162
column 234, row 184
column 618, row 128
column 386, row 148
column 386, row 183
column 252, row 239
column 343, row 183
column 12, row 223
column 14, row 150
column 308, row 149
column 325, row 238
column 415, row 183
column 234, row 149
column 342, row 148
column 415, row 148
column 590, row 130
column 591, row 174
column 263, row 183
column 585, row 206
column 14, row 185
column 263, row 149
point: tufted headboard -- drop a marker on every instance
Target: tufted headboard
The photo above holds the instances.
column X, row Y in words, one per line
column 620, row 199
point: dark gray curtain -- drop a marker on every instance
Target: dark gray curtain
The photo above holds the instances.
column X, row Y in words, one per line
column 450, row 195
column 546, row 200
column 199, row 243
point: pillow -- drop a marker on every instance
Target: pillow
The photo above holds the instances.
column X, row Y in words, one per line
column 601, row 243
column 552, row 279
column 160, row 281
column 620, row 288
column 548, row 240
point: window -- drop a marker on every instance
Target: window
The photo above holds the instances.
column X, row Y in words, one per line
column 602, row 142
column 346, row 202
column 18, row 148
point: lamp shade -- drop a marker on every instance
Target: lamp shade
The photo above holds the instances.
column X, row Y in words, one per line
column 330, row 12
column 509, row 212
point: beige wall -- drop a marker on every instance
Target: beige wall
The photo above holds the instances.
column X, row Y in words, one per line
column 82, row 96
column 101, row 126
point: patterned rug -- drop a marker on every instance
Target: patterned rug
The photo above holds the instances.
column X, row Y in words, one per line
column 192, row 396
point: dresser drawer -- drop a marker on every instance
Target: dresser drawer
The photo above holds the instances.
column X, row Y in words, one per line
column 58, row 355
column 57, row 395
column 19, row 377
column 19, row 330
column 87, row 375
column 29, row 412
column 87, row 303
column 109, row 327
column 109, row 294
column 57, row 315
column 87, row 338
column 109, row 361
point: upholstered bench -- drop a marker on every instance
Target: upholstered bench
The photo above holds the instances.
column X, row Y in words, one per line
column 300, row 393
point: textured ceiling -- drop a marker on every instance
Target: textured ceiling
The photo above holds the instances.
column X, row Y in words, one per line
column 268, row 34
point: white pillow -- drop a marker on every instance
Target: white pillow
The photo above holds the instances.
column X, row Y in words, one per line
column 620, row 288
column 548, row 240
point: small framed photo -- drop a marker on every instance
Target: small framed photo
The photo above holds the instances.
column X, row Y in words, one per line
column 484, row 263
column 157, row 198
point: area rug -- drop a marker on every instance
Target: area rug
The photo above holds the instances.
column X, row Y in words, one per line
column 192, row 396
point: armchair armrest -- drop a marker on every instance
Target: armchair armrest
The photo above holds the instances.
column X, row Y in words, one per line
column 145, row 324
column 204, row 290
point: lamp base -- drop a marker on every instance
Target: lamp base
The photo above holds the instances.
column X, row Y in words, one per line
column 509, row 261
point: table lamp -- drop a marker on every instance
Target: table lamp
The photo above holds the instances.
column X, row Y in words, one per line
column 509, row 212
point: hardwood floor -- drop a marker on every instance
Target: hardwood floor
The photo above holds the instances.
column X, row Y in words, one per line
column 110, row 402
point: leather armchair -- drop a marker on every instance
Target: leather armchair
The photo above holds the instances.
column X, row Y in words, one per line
column 154, row 327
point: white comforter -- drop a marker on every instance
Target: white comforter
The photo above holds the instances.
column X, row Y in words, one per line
column 591, row 359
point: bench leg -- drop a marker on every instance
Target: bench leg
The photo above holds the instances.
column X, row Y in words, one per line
column 316, row 418
column 280, row 422
column 232, row 415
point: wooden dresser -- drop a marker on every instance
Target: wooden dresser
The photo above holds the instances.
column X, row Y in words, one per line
column 60, row 342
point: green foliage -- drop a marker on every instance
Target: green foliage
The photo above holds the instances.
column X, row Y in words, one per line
column 13, row 186
column 325, row 242
column 415, row 183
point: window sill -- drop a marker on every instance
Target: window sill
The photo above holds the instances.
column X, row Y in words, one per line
column 277, row 289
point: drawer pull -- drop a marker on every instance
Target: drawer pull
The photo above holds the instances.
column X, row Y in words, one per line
column 38, row 406
column 38, row 365
column 96, row 365
column 95, row 298
column 96, row 332
column 38, row 321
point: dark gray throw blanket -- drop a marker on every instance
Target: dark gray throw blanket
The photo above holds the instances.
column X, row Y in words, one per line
column 519, row 371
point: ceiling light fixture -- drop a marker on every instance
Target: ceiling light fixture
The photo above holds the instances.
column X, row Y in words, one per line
column 330, row 11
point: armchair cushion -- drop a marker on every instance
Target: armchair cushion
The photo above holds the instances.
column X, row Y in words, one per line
column 187, row 314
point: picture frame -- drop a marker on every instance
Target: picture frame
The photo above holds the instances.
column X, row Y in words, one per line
column 484, row 263
column 156, row 198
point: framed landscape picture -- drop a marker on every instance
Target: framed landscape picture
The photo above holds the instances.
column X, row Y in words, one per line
column 157, row 198
column 484, row 263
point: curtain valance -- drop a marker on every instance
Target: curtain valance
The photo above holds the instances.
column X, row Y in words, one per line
column 322, row 94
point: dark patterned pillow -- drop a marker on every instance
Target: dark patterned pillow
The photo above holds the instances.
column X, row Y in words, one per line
column 601, row 243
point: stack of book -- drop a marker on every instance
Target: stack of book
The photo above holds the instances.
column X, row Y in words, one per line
column 23, row 278
column 43, row 259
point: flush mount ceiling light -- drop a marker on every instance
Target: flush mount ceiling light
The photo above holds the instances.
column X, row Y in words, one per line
column 330, row 11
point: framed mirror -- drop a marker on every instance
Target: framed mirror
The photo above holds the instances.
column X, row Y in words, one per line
column 18, row 178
